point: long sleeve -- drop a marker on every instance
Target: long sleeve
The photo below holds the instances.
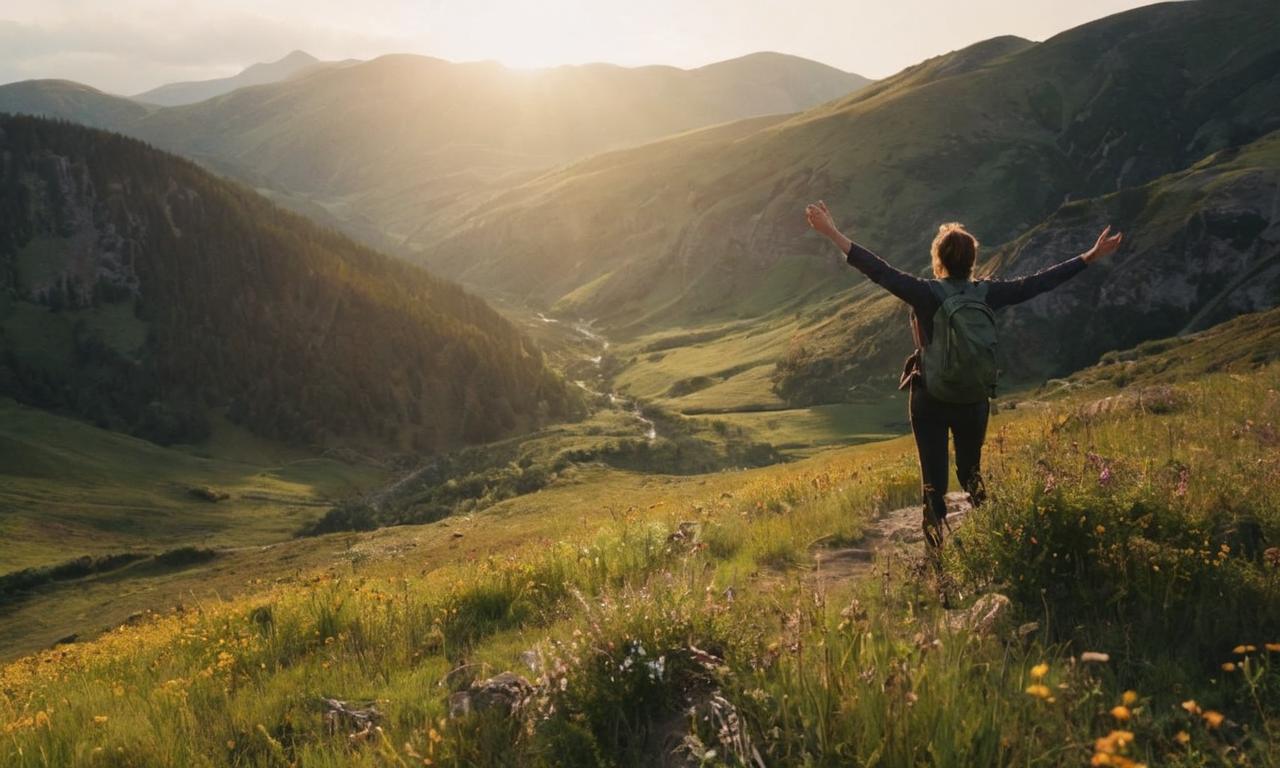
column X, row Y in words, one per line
column 1003, row 293
column 911, row 289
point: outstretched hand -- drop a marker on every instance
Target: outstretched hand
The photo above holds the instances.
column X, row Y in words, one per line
column 819, row 218
column 1106, row 245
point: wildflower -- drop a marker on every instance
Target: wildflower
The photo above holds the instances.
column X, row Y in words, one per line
column 1111, row 744
column 1182, row 737
column 1213, row 718
column 1241, row 650
column 1191, row 706
column 1228, row 666
column 1101, row 529
column 1272, row 556
column 231, row 744
column 1121, row 713
column 1039, row 691
column 1095, row 657
column 1129, row 698
column 1039, row 671
column 1273, row 647
column 99, row 719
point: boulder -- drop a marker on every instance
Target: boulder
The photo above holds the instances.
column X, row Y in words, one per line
column 503, row 692
column 986, row 616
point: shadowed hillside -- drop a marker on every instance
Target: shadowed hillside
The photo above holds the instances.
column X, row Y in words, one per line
column 140, row 292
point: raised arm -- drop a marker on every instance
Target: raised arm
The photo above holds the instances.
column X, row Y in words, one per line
column 907, row 287
column 1003, row 293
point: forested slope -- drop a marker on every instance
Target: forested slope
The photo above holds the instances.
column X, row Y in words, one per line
column 141, row 292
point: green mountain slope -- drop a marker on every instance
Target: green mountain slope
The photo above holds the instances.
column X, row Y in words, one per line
column 1202, row 248
column 140, row 292
column 706, row 228
column 71, row 101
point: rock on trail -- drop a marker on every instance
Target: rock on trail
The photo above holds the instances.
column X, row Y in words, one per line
column 900, row 530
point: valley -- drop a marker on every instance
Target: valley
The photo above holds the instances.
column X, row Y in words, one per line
column 403, row 411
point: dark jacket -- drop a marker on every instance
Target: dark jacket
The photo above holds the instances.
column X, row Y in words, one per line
column 919, row 294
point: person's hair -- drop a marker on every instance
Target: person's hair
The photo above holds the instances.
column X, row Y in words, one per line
column 954, row 251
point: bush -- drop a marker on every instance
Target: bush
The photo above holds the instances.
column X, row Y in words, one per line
column 347, row 516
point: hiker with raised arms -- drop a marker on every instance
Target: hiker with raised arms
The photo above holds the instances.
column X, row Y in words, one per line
column 951, row 376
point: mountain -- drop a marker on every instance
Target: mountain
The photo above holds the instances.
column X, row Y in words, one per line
column 72, row 101
column 292, row 65
column 145, row 295
column 397, row 147
column 707, row 229
column 1201, row 249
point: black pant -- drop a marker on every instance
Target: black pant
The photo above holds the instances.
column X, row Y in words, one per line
column 930, row 421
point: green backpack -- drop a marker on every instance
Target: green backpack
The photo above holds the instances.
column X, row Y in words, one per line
column 959, row 365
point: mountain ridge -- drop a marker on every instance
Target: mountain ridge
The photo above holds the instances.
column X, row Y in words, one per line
column 293, row 64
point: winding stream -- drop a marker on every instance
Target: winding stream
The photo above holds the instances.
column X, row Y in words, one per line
column 583, row 328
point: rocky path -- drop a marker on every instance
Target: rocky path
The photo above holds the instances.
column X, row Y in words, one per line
column 899, row 531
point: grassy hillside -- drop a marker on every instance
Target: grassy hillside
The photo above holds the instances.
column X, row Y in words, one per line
column 1237, row 346
column 1163, row 564
column 705, row 229
column 1199, row 251
column 70, row 489
column 143, row 294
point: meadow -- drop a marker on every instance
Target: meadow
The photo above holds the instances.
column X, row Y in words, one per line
column 677, row 620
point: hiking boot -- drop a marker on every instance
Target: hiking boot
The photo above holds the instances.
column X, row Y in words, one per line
column 977, row 491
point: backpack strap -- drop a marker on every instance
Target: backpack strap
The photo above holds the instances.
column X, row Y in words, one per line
column 946, row 288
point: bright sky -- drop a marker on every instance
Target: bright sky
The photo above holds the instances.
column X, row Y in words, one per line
column 127, row 46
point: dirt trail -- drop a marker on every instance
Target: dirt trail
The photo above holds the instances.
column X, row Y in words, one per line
column 899, row 530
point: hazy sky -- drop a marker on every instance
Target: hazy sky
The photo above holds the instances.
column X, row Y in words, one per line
column 126, row 46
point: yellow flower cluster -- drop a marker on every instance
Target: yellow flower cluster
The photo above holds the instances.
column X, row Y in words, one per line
column 1109, row 750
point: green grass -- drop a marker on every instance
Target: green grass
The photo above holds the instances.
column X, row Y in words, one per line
column 632, row 629
column 804, row 429
column 69, row 489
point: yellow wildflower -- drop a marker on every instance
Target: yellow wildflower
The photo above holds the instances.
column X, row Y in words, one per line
column 1039, row 691
column 1121, row 713
column 1039, row 671
column 99, row 719
column 1214, row 719
column 1241, row 650
column 1113, row 742
column 231, row 744
column 1191, row 706
column 1273, row 647
column 1228, row 666
column 1129, row 698
column 1182, row 737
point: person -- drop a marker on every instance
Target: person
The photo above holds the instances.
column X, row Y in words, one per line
column 954, row 253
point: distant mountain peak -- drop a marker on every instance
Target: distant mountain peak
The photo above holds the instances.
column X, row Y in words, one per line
column 291, row 62
column 290, row 65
